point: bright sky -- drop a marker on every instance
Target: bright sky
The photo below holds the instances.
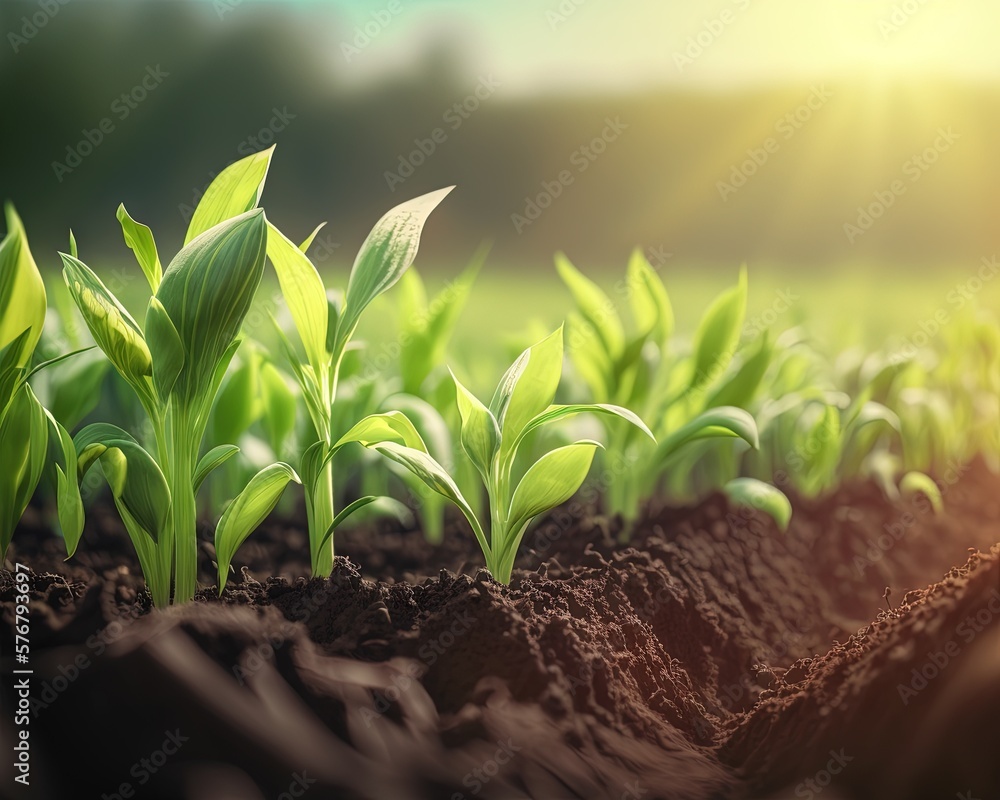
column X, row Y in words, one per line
column 594, row 44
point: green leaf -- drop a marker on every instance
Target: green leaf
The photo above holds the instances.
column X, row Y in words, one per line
column 22, row 293
column 595, row 306
column 718, row 333
column 650, row 303
column 133, row 475
column 529, row 386
column 23, row 451
column 550, row 481
column 139, row 239
column 390, row 426
column 434, row 477
column 165, row 348
column 724, row 422
column 212, row 459
column 112, row 327
column 304, row 247
column 207, row 291
column 756, row 494
column 75, row 389
column 238, row 404
column 234, row 191
column 345, row 512
column 480, row 430
column 69, row 504
column 248, row 511
column 558, row 412
column 740, row 389
column 917, row 482
column 385, row 255
column 304, row 293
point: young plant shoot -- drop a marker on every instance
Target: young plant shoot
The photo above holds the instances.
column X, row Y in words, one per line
column 492, row 436
column 325, row 328
column 175, row 364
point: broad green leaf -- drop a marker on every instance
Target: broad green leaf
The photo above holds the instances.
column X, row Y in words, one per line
column 344, row 513
column 756, row 494
column 11, row 373
column 480, row 431
column 304, row 293
column 207, row 291
column 112, row 327
column 139, row 239
column 385, row 255
column 165, row 348
column 212, row 459
column 390, row 426
column 133, row 475
column 558, row 412
column 550, row 481
column 650, row 303
column 248, row 511
column 69, row 504
column 278, row 405
column 595, row 306
column 718, row 333
column 234, row 191
column 307, row 242
column 723, row 422
column 23, row 451
column 22, row 293
column 529, row 386
column 435, row 477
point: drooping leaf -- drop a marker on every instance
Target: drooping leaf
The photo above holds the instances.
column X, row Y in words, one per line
column 233, row 192
column 390, row 426
column 212, row 459
column 207, row 290
column 303, row 290
column 756, row 494
column 248, row 511
column 558, row 412
column 385, row 255
column 344, row 513
column 22, row 293
column 918, row 482
column 133, row 475
column 139, row 239
column 726, row 422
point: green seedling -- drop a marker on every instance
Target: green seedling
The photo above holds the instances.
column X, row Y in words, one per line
column 325, row 328
column 30, row 437
column 175, row 364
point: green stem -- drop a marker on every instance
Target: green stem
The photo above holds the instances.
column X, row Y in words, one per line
column 183, row 445
column 320, row 520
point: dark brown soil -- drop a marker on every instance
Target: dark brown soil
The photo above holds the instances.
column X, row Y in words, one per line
column 711, row 657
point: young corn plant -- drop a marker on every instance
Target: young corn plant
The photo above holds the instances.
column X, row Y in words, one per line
column 493, row 436
column 692, row 398
column 325, row 328
column 30, row 437
column 175, row 364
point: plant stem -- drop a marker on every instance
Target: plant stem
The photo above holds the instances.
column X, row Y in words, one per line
column 321, row 520
column 183, row 447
